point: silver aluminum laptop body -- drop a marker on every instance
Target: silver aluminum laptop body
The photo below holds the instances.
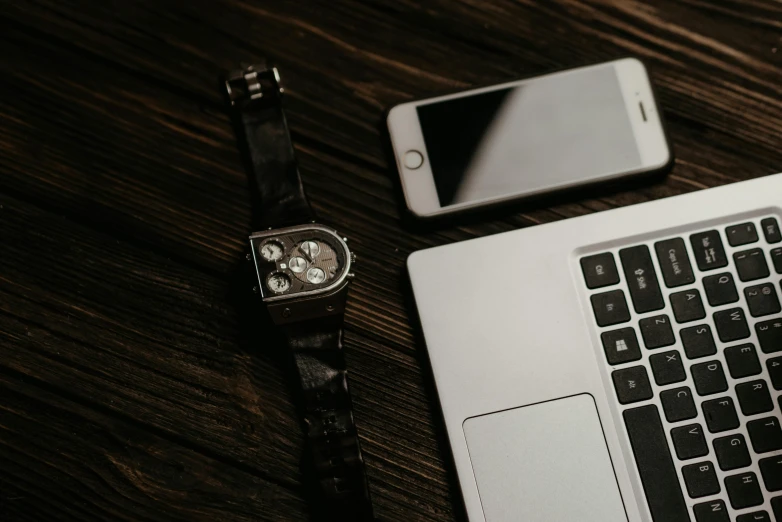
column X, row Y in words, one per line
column 529, row 399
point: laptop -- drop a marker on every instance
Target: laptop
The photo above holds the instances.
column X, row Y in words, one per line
column 624, row 366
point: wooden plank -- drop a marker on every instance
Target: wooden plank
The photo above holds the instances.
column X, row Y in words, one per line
column 683, row 43
column 145, row 338
column 85, row 464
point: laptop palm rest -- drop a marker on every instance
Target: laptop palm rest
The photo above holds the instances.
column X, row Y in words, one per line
column 547, row 462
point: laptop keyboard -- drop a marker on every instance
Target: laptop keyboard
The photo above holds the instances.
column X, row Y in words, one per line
column 691, row 334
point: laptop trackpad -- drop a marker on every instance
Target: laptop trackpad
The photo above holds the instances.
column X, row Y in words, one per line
column 544, row 463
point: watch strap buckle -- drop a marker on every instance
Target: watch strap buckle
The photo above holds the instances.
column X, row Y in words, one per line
column 255, row 85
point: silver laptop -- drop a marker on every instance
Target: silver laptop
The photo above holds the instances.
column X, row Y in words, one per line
column 621, row 366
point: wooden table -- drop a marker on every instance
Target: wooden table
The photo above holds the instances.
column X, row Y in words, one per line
column 137, row 383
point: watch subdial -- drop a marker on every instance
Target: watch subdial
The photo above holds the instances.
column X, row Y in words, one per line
column 297, row 264
column 316, row 275
column 278, row 283
column 311, row 249
column 271, row 251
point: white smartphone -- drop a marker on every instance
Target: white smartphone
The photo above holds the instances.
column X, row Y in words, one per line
column 527, row 138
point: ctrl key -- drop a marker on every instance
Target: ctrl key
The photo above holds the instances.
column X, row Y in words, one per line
column 610, row 308
column 600, row 270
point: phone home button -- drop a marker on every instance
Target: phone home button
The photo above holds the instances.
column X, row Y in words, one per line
column 413, row 159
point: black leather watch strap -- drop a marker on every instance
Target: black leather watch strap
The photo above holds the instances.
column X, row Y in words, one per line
column 316, row 344
column 331, row 432
column 255, row 93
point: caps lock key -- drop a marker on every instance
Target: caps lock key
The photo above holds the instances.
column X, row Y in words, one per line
column 641, row 279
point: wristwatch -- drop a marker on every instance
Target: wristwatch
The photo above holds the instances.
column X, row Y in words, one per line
column 303, row 271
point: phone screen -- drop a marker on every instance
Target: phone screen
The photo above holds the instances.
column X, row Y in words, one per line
column 546, row 132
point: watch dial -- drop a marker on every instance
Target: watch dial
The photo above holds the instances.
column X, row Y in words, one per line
column 311, row 249
column 316, row 275
column 315, row 262
column 278, row 283
column 297, row 264
column 271, row 251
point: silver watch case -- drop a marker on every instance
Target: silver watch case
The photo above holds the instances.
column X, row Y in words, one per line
column 304, row 300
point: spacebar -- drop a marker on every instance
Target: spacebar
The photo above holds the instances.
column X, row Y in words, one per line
column 653, row 457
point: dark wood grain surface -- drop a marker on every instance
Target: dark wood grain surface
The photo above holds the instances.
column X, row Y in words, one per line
column 133, row 386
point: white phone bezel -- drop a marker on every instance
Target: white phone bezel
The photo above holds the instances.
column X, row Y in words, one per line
column 418, row 184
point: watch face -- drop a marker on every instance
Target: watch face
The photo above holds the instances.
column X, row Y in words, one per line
column 297, row 265
column 278, row 283
column 316, row 275
column 271, row 250
column 299, row 260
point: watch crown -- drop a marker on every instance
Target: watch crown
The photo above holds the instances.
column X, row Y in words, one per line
column 352, row 257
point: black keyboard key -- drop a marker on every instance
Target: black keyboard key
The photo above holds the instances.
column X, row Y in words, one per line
column 771, row 470
column 689, row 442
column 657, row 331
column 714, row 511
column 610, row 308
column 698, row 341
column 720, row 289
column 621, row 346
column 709, row 378
column 742, row 361
column 678, row 404
column 720, row 415
column 775, row 372
column 770, row 335
column 744, row 490
column 655, row 465
column 776, row 507
column 700, row 479
column 765, row 435
column 732, row 452
column 667, row 368
column 674, row 262
column 641, row 279
column 708, row 250
column 755, row 516
column 632, row 384
column 776, row 258
column 771, row 230
column 743, row 234
column 751, row 264
column 754, row 397
column 762, row 300
column 687, row 306
column 600, row 270
column 731, row 325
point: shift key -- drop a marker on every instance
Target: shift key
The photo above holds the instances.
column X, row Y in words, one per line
column 641, row 279
column 674, row 262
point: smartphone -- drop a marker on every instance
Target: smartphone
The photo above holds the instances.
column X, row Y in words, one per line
column 528, row 138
